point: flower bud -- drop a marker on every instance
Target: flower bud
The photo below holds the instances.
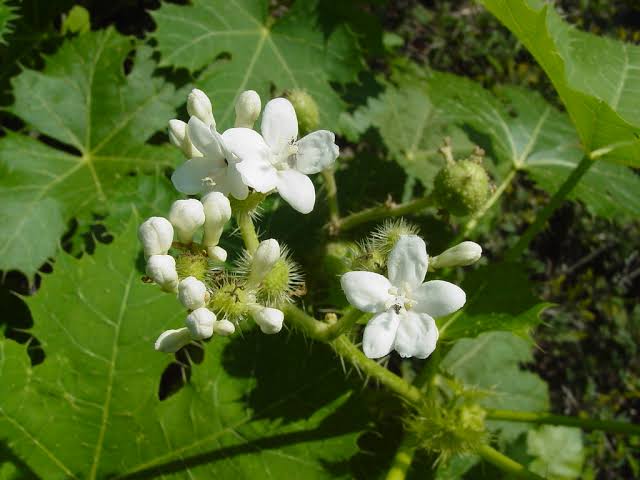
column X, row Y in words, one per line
column 156, row 236
column 224, row 328
column 200, row 323
column 217, row 212
column 462, row 187
column 173, row 340
column 192, row 293
column 461, row 255
column 247, row 109
column 186, row 216
column 179, row 136
column 217, row 254
column 199, row 105
column 306, row 110
column 268, row 319
column 162, row 270
column 266, row 256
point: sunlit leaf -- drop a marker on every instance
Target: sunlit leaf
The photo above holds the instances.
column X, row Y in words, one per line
column 558, row 450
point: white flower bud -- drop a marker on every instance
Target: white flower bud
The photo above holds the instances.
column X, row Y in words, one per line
column 461, row 255
column 156, row 236
column 192, row 293
column 248, row 108
column 266, row 256
column 217, row 254
column 224, row 328
column 268, row 319
column 217, row 212
column 186, row 216
column 173, row 340
column 200, row 323
column 199, row 105
column 179, row 136
column 162, row 270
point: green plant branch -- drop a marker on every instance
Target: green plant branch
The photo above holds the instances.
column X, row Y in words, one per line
column 248, row 231
column 402, row 459
column 387, row 209
column 505, row 463
column 344, row 323
column 541, row 418
column 329, row 178
column 556, row 200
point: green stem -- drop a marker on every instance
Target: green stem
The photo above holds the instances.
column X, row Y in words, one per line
column 388, row 209
column 556, row 200
column 583, row 423
column 402, row 459
column 248, row 232
column 345, row 323
column 505, row 463
column 332, row 194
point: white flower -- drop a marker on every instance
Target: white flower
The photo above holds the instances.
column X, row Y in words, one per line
column 225, row 161
column 192, row 293
column 173, row 340
column 264, row 258
column 162, row 270
column 268, row 319
column 248, row 108
column 223, row 327
column 179, row 136
column 156, row 236
column 405, row 307
column 199, row 105
column 217, row 212
column 217, row 253
column 290, row 160
column 461, row 255
column 200, row 323
column 186, row 216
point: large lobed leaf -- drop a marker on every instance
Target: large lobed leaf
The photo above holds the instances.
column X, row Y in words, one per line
column 243, row 47
column 596, row 78
column 91, row 410
column 101, row 118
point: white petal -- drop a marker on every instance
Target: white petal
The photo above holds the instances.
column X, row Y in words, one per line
column 417, row 335
column 316, row 152
column 380, row 333
column 188, row 177
column 279, row 124
column 367, row 291
column 297, row 190
column 234, row 184
column 173, row 340
column 207, row 141
column 438, row 298
column 408, row 262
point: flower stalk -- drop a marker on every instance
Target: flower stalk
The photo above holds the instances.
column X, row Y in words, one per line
column 506, row 464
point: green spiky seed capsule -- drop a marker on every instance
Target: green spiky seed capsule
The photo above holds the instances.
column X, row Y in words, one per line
column 462, row 187
column 276, row 283
column 306, row 110
column 230, row 301
column 191, row 265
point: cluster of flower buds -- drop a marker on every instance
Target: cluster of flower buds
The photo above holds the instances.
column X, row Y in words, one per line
column 239, row 159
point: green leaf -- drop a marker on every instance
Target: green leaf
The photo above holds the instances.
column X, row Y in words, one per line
column 100, row 119
column 596, row 78
column 491, row 362
column 559, row 451
column 533, row 136
column 91, row 409
column 245, row 48
column 490, row 307
column 76, row 21
column 7, row 16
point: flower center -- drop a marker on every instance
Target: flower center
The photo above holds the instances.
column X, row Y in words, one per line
column 401, row 298
column 285, row 158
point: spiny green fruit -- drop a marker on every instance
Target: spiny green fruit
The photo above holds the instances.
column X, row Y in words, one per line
column 462, row 187
column 192, row 265
column 306, row 110
column 230, row 301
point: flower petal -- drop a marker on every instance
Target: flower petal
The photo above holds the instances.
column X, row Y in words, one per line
column 380, row 333
column 408, row 261
column 188, row 177
column 367, row 291
column 234, row 184
column 438, row 298
column 279, row 124
column 316, row 152
column 207, row 141
column 297, row 190
column 417, row 335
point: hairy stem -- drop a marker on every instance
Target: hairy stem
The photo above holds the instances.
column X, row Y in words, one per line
column 505, row 463
column 248, row 232
column 583, row 423
column 388, row 209
column 402, row 459
column 332, row 194
column 556, row 200
column 344, row 323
